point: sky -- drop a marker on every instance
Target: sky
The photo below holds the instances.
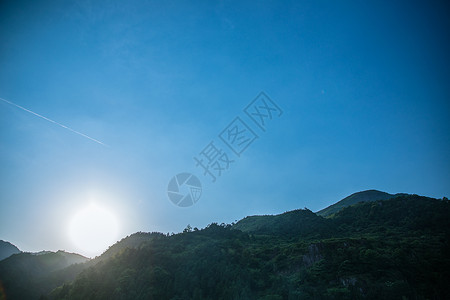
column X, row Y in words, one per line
column 131, row 91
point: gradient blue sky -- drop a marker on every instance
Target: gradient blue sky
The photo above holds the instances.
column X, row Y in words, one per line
column 364, row 86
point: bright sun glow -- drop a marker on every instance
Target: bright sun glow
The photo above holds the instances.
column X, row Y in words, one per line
column 93, row 229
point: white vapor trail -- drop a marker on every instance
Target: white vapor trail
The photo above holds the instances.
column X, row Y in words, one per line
column 50, row 120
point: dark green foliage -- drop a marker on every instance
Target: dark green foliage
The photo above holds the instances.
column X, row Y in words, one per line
column 365, row 196
column 26, row 275
column 135, row 240
column 301, row 222
column 395, row 249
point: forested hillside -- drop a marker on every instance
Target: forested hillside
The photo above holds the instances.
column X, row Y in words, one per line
column 393, row 249
column 364, row 196
column 27, row 275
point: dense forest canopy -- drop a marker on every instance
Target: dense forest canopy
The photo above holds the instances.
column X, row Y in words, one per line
column 391, row 249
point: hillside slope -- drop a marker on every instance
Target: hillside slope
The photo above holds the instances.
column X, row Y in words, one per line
column 300, row 222
column 374, row 250
column 27, row 275
column 364, row 196
column 7, row 249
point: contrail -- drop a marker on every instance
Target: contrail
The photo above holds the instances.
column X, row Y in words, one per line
column 50, row 120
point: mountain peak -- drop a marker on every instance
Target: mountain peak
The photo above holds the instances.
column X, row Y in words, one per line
column 363, row 196
column 7, row 249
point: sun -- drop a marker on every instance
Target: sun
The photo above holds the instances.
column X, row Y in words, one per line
column 93, row 229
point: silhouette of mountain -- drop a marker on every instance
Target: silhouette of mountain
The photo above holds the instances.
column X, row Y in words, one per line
column 391, row 249
column 364, row 196
column 135, row 240
column 378, row 249
column 28, row 275
column 7, row 249
column 300, row 222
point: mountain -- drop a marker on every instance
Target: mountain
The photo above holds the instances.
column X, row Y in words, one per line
column 364, row 196
column 28, row 275
column 7, row 249
column 300, row 222
column 134, row 241
column 384, row 249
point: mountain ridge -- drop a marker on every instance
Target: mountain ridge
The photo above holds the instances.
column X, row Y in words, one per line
column 362, row 196
column 7, row 249
column 383, row 249
column 31, row 271
column 298, row 254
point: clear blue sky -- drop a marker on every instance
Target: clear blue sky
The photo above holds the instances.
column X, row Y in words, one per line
column 363, row 85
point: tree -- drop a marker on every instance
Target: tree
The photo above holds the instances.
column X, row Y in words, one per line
column 188, row 228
